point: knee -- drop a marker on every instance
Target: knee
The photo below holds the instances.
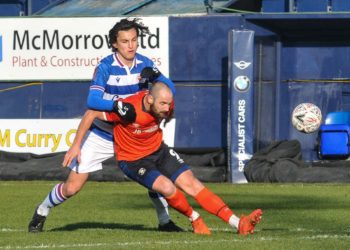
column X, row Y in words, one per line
column 164, row 187
column 168, row 190
column 69, row 189
column 192, row 186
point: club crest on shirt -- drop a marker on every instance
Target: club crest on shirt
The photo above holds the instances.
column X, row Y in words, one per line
column 141, row 171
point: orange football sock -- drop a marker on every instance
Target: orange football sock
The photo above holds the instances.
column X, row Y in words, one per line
column 179, row 202
column 213, row 204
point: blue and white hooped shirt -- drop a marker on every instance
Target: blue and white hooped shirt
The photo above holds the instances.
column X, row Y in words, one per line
column 112, row 79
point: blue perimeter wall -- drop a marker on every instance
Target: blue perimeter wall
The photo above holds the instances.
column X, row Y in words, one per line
column 299, row 58
column 291, row 65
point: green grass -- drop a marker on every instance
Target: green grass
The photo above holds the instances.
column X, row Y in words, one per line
column 108, row 215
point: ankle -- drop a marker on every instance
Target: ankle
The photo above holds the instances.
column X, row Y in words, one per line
column 194, row 216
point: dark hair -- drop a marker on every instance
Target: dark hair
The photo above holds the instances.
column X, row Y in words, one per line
column 126, row 24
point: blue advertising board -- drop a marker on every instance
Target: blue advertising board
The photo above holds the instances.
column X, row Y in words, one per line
column 241, row 109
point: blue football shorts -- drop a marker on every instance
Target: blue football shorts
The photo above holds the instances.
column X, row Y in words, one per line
column 165, row 161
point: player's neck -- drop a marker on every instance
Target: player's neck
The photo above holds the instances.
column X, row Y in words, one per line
column 125, row 61
column 128, row 63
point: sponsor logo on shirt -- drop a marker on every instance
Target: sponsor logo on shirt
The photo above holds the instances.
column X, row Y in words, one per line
column 152, row 129
column 141, row 171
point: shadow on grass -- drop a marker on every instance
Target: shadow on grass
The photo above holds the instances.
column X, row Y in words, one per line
column 99, row 225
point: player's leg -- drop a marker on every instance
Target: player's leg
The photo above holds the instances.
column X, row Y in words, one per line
column 145, row 172
column 55, row 197
column 208, row 200
column 177, row 200
column 171, row 166
column 94, row 151
column 174, row 167
column 215, row 205
column 161, row 206
column 62, row 191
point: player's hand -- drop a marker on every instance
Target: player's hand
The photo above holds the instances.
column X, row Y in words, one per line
column 125, row 111
column 148, row 74
column 72, row 153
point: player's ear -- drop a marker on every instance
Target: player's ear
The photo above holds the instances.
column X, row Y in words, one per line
column 150, row 99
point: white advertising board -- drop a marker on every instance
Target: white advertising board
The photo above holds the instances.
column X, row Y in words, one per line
column 37, row 136
column 33, row 49
column 46, row 136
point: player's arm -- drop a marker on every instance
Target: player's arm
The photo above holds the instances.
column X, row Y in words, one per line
column 95, row 98
column 156, row 75
column 123, row 111
column 168, row 82
column 84, row 125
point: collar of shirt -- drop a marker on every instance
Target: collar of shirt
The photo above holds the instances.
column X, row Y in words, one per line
column 118, row 62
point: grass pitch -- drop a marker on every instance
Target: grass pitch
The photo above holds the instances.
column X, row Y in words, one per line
column 107, row 215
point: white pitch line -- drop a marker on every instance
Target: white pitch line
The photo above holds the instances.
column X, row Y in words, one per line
column 212, row 229
column 260, row 230
column 228, row 229
column 11, row 230
column 325, row 236
column 96, row 245
column 184, row 242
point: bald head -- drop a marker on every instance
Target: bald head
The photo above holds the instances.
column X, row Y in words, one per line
column 159, row 89
column 159, row 99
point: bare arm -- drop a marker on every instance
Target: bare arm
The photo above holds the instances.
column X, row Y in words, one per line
column 84, row 125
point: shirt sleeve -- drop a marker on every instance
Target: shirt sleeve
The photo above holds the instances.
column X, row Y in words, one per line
column 163, row 78
column 97, row 88
column 111, row 117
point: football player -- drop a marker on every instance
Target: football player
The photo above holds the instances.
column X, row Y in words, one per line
column 120, row 74
column 146, row 159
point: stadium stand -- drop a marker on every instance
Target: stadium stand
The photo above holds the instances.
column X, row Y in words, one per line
column 23, row 7
column 334, row 136
column 12, row 8
column 338, row 118
column 122, row 7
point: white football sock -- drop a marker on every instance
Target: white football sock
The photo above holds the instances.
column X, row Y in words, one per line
column 194, row 216
column 54, row 198
column 234, row 221
column 161, row 207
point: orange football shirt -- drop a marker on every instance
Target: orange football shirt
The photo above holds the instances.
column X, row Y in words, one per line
column 139, row 139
